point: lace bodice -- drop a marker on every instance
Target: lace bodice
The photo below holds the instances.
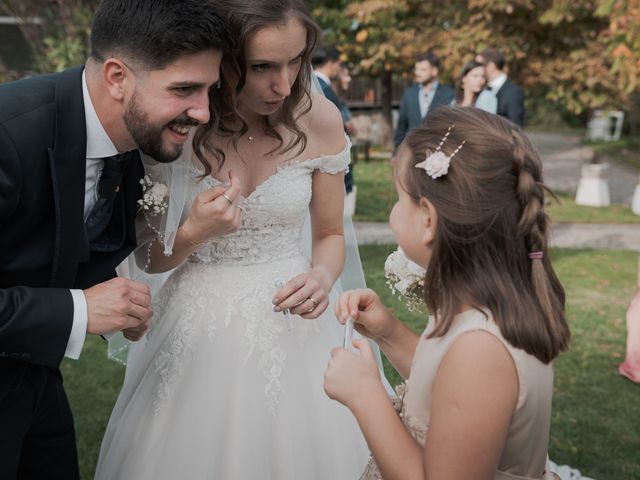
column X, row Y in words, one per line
column 274, row 213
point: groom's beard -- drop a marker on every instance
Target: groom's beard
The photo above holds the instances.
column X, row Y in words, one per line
column 148, row 137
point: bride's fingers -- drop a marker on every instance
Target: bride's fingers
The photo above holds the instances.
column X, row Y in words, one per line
column 310, row 303
column 297, row 300
column 288, row 289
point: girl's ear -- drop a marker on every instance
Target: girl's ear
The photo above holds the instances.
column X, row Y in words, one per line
column 428, row 220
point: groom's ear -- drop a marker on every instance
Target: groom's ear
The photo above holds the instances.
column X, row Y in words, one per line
column 116, row 75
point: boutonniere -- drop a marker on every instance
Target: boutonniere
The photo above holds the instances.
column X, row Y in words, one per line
column 154, row 197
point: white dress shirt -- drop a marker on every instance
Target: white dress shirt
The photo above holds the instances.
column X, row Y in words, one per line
column 425, row 98
column 99, row 146
column 497, row 83
column 322, row 76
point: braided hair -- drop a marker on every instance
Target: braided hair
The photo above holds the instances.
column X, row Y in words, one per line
column 491, row 244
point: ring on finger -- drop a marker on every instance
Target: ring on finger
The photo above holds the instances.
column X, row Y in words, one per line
column 227, row 197
column 315, row 304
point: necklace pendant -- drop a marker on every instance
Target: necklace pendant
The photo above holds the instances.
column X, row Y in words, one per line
column 251, row 137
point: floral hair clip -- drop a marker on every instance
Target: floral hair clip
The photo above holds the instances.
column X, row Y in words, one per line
column 437, row 163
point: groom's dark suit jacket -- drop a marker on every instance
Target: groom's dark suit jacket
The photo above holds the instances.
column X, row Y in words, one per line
column 43, row 246
column 511, row 102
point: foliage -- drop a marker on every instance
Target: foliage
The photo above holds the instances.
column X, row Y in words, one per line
column 57, row 30
column 583, row 54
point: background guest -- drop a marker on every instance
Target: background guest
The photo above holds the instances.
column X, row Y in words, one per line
column 510, row 96
column 340, row 85
column 420, row 99
column 327, row 67
column 470, row 91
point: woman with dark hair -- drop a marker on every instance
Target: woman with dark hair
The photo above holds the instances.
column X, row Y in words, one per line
column 470, row 91
column 228, row 384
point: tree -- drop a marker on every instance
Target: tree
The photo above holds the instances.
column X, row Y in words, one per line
column 57, row 30
column 581, row 54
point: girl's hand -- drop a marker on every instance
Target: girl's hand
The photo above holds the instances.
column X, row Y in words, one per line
column 304, row 295
column 370, row 317
column 215, row 212
column 350, row 377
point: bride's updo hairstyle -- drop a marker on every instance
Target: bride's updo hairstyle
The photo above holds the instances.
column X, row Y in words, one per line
column 245, row 18
column 492, row 236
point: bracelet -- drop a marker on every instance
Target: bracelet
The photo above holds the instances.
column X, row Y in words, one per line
column 188, row 238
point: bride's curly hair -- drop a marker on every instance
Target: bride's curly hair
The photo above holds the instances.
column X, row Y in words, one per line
column 245, row 18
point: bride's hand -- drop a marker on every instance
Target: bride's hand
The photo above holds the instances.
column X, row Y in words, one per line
column 305, row 295
column 215, row 212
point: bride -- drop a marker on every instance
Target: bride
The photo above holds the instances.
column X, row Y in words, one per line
column 228, row 383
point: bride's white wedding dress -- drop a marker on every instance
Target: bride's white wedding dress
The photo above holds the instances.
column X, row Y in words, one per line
column 222, row 388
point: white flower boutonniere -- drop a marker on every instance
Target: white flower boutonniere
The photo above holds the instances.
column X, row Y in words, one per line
column 154, row 197
column 406, row 279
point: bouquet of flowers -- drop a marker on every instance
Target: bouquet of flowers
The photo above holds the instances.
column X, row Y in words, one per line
column 154, row 197
column 406, row 279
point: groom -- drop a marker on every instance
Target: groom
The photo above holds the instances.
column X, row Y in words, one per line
column 69, row 183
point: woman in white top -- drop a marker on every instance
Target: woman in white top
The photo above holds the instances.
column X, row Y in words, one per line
column 471, row 92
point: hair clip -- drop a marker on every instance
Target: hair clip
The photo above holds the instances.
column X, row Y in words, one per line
column 436, row 164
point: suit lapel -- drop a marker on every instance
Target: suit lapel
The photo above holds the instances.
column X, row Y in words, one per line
column 68, row 170
column 503, row 89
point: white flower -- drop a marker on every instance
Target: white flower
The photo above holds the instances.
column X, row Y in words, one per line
column 405, row 278
column 154, row 197
column 436, row 164
column 159, row 190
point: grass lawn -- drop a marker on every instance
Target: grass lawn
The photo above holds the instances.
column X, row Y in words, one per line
column 596, row 413
column 376, row 196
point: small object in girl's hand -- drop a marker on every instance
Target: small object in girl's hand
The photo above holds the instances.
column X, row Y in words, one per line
column 348, row 333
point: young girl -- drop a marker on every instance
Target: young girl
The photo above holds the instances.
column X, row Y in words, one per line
column 480, row 380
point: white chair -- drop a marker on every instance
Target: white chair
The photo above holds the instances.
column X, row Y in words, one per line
column 593, row 190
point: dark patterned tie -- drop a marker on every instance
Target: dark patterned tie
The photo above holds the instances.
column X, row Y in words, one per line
column 108, row 188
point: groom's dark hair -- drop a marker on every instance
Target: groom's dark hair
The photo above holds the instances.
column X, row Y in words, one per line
column 153, row 33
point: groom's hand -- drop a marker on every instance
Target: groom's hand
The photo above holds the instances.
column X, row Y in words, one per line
column 119, row 304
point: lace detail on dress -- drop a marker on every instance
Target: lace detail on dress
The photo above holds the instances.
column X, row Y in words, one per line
column 244, row 266
column 169, row 361
column 243, row 298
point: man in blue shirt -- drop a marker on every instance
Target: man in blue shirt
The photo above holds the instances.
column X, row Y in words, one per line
column 422, row 97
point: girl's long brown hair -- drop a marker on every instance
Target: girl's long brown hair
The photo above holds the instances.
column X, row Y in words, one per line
column 491, row 216
column 245, row 18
